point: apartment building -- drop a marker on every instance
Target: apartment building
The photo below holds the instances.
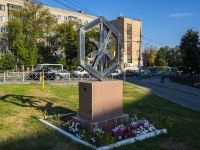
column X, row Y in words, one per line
column 6, row 6
column 131, row 40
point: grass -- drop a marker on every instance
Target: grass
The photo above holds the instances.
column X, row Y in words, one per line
column 20, row 129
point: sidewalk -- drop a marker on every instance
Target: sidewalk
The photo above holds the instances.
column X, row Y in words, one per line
column 178, row 87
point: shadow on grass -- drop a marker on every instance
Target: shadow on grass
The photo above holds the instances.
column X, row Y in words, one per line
column 36, row 135
column 45, row 139
column 33, row 102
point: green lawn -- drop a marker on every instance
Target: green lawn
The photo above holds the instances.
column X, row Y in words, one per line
column 20, row 129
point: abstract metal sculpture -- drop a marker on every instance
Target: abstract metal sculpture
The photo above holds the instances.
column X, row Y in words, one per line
column 106, row 30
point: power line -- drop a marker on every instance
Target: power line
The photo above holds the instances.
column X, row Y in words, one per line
column 84, row 7
column 65, row 5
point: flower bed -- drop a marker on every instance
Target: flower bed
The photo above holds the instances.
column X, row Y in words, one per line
column 135, row 129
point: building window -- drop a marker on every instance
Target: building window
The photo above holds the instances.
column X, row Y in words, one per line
column 59, row 17
column 129, row 28
column 79, row 20
column 2, row 18
column 3, row 29
column 86, row 22
column 129, row 44
column 65, row 18
column 73, row 19
column 14, row 7
column 52, row 15
column 11, row 17
column 2, row 7
column 129, row 57
column 3, row 41
column 129, row 37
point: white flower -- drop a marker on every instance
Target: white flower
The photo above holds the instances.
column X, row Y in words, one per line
column 92, row 139
column 120, row 137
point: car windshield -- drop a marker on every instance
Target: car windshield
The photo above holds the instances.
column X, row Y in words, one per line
column 79, row 69
column 63, row 71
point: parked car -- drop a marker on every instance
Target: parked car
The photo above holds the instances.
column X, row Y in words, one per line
column 87, row 75
column 157, row 73
column 117, row 73
column 63, row 74
column 146, row 74
column 37, row 75
column 131, row 73
column 79, row 72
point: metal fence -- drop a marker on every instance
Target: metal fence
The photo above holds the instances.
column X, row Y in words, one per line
column 189, row 79
column 36, row 77
column 27, row 76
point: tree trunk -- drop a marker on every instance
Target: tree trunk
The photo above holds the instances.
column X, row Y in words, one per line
column 32, row 68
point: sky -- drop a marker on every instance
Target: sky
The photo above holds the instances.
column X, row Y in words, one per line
column 164, row 22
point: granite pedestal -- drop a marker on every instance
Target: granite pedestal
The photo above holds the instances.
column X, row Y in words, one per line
column 100, row 104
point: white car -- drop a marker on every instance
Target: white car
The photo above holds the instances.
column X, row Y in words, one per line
column 63, row 73
column 79, row 72
column 116, row 73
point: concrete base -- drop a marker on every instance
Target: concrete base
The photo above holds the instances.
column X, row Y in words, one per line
column 100, row 104
column 103, row 124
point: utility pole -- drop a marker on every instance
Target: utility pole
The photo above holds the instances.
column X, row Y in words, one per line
column 139, row 59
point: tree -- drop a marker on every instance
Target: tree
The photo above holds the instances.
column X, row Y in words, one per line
column 174, row 57
column 162, row 56
column 161, row 62
column 67, row 40
column 190, row 52
column 26, row 28
column 7, row 62
column 151, row 55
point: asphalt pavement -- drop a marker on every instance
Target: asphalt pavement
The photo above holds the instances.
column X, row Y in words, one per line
column 181, row 94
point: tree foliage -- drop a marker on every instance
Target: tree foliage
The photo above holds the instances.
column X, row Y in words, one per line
column 7, row 62
column 25, row 29
column 190, row 51
column 67, row 39
column 162, row 56
column 151, row 55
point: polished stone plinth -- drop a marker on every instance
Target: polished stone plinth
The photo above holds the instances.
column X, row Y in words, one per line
column 100, row 104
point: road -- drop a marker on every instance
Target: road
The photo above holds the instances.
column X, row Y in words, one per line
column 181, row 94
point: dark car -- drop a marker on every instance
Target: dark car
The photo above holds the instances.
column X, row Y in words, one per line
column 146, row 74
column 37, row 75
column 131, row 73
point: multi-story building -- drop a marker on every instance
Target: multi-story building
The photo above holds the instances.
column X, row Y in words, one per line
column 131, row 40
column 130, row 29
column 6, row 6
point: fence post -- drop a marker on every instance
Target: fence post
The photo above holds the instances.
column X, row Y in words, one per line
column 40, row 76
column 69, row 77
column 4, row 76
column 23, row 76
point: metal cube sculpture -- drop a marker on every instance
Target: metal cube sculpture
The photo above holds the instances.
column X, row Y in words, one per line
column 102, row 53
